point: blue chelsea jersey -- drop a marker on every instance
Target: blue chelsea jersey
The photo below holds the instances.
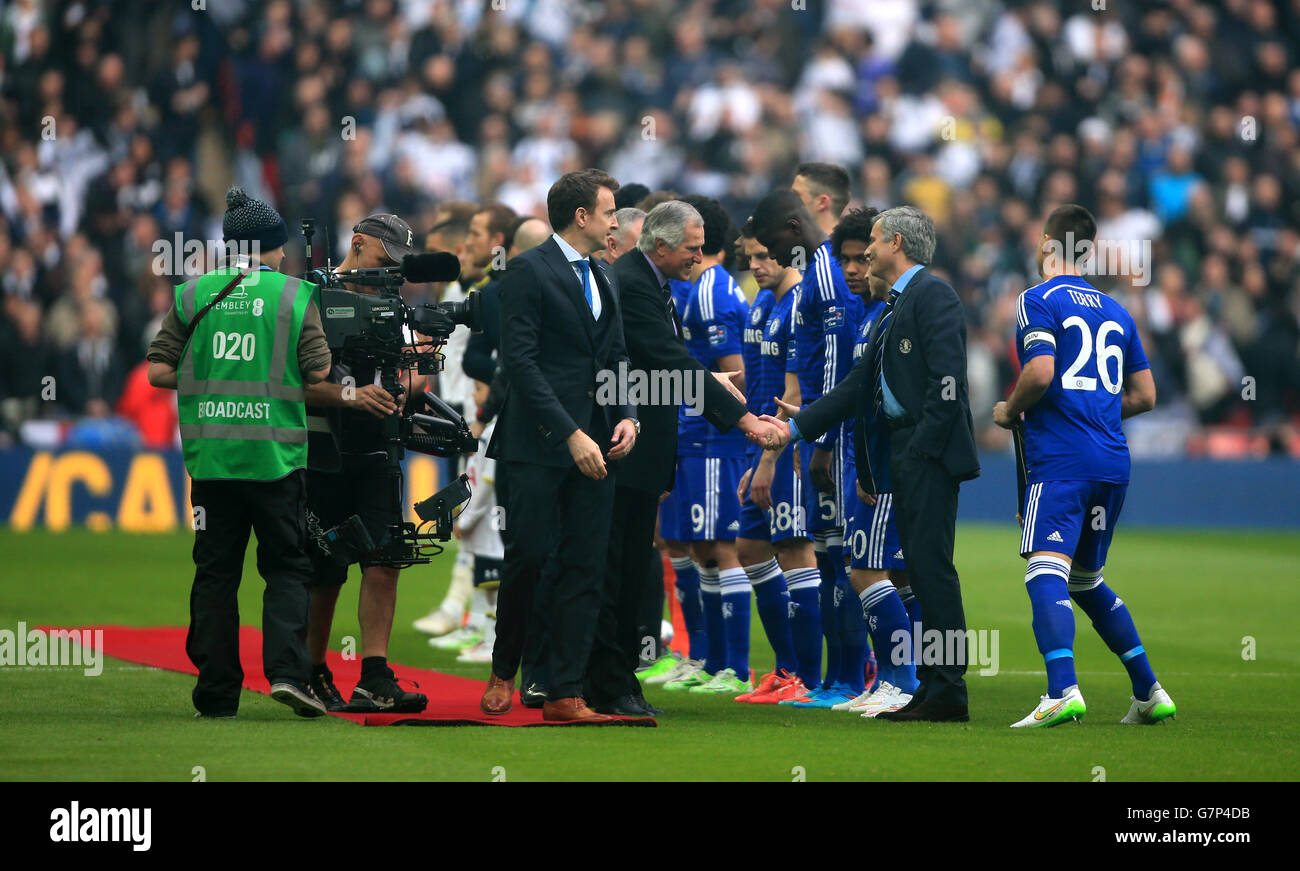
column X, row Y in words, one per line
column 826, row 319
column 1073, row 433
column 767, row 379
column 713, row 328
column 755, row 327
column 877, row 438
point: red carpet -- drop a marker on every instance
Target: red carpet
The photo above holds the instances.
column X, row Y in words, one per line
column 453, row 701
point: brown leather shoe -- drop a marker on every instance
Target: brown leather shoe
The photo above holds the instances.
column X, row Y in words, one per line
column 571, row 709
column 499, row 697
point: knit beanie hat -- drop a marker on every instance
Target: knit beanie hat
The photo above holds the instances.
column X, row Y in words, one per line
column 250, row 220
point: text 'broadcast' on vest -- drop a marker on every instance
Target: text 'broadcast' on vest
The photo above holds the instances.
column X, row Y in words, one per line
column 239, row 385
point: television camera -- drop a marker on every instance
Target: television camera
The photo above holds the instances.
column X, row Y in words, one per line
column 380, row 331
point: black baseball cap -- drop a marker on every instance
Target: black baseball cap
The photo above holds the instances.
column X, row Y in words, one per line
column 396, row 235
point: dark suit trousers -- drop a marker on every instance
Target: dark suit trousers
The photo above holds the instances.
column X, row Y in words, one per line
column 560, row 514
column 619, row 635
column 536, row 632
column 925, row 499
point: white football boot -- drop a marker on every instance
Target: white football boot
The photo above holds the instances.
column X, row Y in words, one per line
column 1154, row 710
column 1053, row 712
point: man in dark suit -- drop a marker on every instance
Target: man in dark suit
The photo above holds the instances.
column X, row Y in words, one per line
column 560, row 327
column 670, row 243
column 914, row 379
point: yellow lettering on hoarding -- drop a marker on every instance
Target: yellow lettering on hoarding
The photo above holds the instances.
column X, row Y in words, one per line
column 23, row 517
column 146, row 503
column 73, row 467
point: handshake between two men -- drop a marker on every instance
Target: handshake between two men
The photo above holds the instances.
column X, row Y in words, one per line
column 767, row 431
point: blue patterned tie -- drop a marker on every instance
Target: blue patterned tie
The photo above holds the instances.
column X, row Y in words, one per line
column 585, row 268
column 878, row 359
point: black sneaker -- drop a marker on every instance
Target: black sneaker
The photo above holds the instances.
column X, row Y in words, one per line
column 322, row 684
column 381, row 695
column 302, row 701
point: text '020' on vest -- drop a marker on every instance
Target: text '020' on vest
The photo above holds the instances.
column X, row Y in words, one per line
column 239, row 384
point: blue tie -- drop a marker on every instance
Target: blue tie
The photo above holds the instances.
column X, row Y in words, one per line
column 585, row 268
column 878, row 357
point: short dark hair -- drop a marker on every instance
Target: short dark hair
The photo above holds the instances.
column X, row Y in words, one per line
column 650, row 200
column 1071, row 222
column 452, row 230
column 827, row 178
column 573, row 191
column 855, row 225
column 747, row 229
column 775, row 208
column 630, row 194
column 501, row 219
column 456, row 210
column 719, row 233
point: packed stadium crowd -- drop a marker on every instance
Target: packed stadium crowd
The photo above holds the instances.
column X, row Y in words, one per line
column 1176, row 123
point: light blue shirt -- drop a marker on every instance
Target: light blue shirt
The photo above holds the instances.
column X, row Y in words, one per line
column 893, row 408
column 571, row 254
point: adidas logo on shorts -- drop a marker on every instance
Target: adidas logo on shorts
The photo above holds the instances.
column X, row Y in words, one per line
column 899, row 554
column 1066, row 603
column 1055, row 536
column 734, row 526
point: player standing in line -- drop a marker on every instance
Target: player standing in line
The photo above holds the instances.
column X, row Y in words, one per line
column 712, row 464
column 826, row 320
column 1078, row 464
column 773, row 544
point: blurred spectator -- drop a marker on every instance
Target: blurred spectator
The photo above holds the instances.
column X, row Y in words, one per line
column 1178, row 124
column 90, row 374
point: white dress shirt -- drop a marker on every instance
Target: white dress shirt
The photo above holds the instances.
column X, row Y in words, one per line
column 571, row 254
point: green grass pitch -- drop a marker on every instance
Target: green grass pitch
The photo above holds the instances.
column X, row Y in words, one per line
column 1200, row 599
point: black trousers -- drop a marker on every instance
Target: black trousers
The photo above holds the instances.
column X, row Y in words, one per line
column 275, row 510
column 532, row 668
column 554, row 514
column 620, row 634
column 925, row 502
column 651, row 614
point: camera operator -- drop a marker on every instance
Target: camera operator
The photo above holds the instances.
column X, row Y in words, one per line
column 362, row 485
column 244, row 435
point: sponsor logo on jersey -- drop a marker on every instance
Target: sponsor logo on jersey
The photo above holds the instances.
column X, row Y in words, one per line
column 833, row 318
column 717, row 335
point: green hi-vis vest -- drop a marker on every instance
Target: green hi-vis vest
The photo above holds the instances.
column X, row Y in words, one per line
column 239, row 385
